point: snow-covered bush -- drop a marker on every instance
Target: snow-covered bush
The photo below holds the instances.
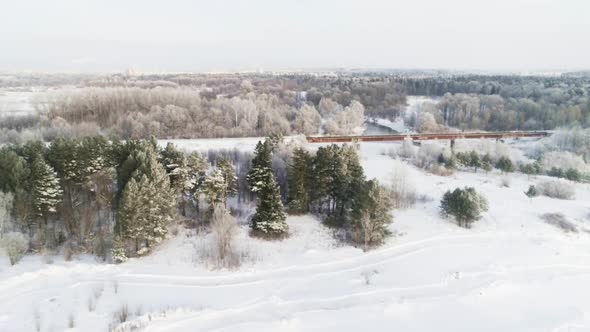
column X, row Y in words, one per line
column 557, row 189
column 407, row 149
column 403, row 192
column 464, row 205
column 16, row 245
column 428, row 155
column 224, row 228
column 563, row 160
column 6, row 200
column 559, row 220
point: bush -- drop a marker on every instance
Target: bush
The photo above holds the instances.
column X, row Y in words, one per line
column 224, row 227
column 532, row 192
column 505, row 165
column 464, row 205
column 403, row 193
column 558, row 220
column 556, row 189
column 573, row 175
column 16, row 245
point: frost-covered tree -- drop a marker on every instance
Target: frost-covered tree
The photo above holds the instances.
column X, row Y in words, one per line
column 193, row 182
column 269, row 219
column 505, row 165
column 47, row 192
column 261, row 166
column 307, row 120
column 215, row 188
column 464, row 205
column 148, row 205
column 229, row 176
column 370, row 225
column 6, row 200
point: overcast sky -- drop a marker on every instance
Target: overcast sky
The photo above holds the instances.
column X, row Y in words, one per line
column 183, row 35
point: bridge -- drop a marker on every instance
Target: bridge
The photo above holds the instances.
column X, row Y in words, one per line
column 428, row 136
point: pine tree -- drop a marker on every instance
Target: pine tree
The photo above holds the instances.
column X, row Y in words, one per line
column 229, row 176
column 370, row 225
column 129, row 224
column 299, row 173
column 194, row 177
column 215, row 188
column 464, row 205
column 148, row 204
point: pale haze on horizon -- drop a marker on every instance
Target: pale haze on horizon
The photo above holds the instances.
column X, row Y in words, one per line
column 182, row 35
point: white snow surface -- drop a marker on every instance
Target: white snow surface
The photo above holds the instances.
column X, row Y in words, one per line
column 510, row 272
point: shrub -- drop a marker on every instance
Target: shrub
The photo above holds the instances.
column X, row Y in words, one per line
column 16, row 245
column 558, row 220
column 505, row 165
column 403, row 193
column 532, row 192
column 556, row 189
column 224, row 227
column 573, row 175
column 464, row 205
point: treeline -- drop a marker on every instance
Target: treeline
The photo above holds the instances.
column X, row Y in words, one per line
column 97, row 196
column 119, row 199
column 496, row 113
column 332, row 184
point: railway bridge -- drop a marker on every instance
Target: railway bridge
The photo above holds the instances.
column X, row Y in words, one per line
column 428, row 136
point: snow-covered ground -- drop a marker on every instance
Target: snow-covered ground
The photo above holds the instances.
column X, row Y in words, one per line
column 510, row 272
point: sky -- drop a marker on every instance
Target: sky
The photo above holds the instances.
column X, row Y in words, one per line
column 231, row 35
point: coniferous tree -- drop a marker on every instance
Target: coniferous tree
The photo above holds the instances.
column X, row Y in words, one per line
column 474, row 160
column 229, row 176
column 505, row 165
column 464, row 205
column 269, row 219
column 148, row 204
column 261, row 165
column 215, row 188
column 370, row 224
column 46, row 191
column 300, row 181
column 193, row 176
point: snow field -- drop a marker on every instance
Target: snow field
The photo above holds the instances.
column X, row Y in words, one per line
column 510, row 272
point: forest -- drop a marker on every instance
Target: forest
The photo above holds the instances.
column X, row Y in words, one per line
column 241, row 105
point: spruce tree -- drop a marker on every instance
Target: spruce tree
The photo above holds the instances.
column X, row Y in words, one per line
column 46, row 191
column 261, row 165
column 269, row 219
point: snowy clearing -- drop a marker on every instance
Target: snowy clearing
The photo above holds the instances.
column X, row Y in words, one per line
column 511, row 272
